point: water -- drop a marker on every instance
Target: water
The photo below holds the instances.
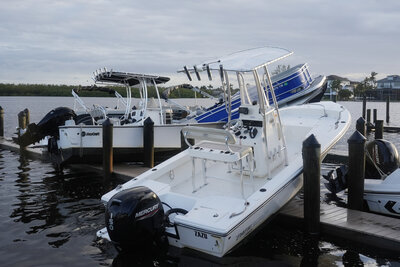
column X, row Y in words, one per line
column 49, row 218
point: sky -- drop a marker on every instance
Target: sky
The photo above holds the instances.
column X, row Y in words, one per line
column 63, row 42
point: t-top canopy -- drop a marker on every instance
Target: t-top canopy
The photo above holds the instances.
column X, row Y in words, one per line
column 127, row 78
column 248, row 60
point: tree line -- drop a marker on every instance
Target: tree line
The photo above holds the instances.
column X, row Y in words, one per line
column 65, row 90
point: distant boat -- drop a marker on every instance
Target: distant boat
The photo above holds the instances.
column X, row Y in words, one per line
column 71, row 136
column 214, row 194
column 294, row 86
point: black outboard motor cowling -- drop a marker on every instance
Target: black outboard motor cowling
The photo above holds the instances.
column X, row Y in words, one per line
column 48, row 126
column 382, row 154
column 135, row 218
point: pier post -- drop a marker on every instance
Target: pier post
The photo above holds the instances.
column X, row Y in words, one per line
column 22, row 120
column 379, row 129
column 387, row 108
column 1, row 122
column 311, row 173
column 148, row 142
column 356, row 171
column 27, row 116
column 364, row 106
column 108, row 148
column 368, row 116
column 361, row 126
column 374, row 114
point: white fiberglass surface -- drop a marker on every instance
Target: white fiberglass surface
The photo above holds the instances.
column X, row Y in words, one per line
column 249, row 59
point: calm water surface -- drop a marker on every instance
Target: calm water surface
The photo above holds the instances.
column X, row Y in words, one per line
column 49, row 217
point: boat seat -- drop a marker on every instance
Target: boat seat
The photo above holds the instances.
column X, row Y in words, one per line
column 217, row 145
column 219, row 152
column 209, row 134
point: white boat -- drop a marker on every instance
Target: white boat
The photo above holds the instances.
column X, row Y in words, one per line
column 382, row 178
column 71, row 136
column 217, row 192
column 383, row 195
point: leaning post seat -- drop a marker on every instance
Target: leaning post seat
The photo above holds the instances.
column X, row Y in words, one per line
column 217, row 145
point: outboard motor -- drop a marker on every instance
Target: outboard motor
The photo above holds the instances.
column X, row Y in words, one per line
column 381, row 154
column 47, row 126
column 135, row 218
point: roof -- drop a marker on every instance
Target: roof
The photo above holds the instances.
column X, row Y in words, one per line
column 390, row 78
column 127, row 78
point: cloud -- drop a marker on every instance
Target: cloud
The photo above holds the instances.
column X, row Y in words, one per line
column 64, row 41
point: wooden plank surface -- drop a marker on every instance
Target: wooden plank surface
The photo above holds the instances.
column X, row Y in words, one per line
column 367, row 228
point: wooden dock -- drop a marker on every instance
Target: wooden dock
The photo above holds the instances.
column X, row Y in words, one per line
column 124, row 171
column 361, row 227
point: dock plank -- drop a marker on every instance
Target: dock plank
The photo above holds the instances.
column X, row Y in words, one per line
column 367, row 228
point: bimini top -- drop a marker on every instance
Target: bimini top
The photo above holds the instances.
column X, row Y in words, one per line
column 248, row 60
column 126, row 78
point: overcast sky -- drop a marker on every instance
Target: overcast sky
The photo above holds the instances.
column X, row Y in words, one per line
column 63, row 42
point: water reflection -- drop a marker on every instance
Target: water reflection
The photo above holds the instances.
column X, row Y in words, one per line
column 50, row 207
column 45, row 212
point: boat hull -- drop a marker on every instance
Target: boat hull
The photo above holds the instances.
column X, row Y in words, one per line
column 83, row 143
column 219, row 244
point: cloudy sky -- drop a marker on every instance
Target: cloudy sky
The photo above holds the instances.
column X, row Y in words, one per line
column 63, row 42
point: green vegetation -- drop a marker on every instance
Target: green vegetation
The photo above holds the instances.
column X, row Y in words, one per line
column 65, row 90
column 368, row 83
column 345, row 94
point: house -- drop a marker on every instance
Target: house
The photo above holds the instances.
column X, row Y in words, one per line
column 390, row 82
column 389, row 86
column 344, row 82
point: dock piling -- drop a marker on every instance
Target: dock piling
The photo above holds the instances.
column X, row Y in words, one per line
column 148, row 142
column 22, row 120
column 364, row 106
column 387, row 108
column 107, row 147
column 361, row 126
column 1, row 122
column 379, row 129
column 27, row 116
column 375, row 114
column 368, row 116
column 356, row 171
column 311, row 172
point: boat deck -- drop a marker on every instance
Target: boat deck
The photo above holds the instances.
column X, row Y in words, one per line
column 362, row 227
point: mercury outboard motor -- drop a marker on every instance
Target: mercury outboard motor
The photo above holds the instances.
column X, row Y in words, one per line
column 381, row 154
column 135, row 218
column 47, row 126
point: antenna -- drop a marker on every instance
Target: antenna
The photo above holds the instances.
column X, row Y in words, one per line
column 197, row 72
column 187, row 73
column 209, row 72
column 221, row 72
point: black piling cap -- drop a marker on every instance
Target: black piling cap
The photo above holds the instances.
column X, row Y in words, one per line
column 356, row 138
column 1, row 109
column 107, row 122
column 361, row 120
column 148, row 121
column 311, row 142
